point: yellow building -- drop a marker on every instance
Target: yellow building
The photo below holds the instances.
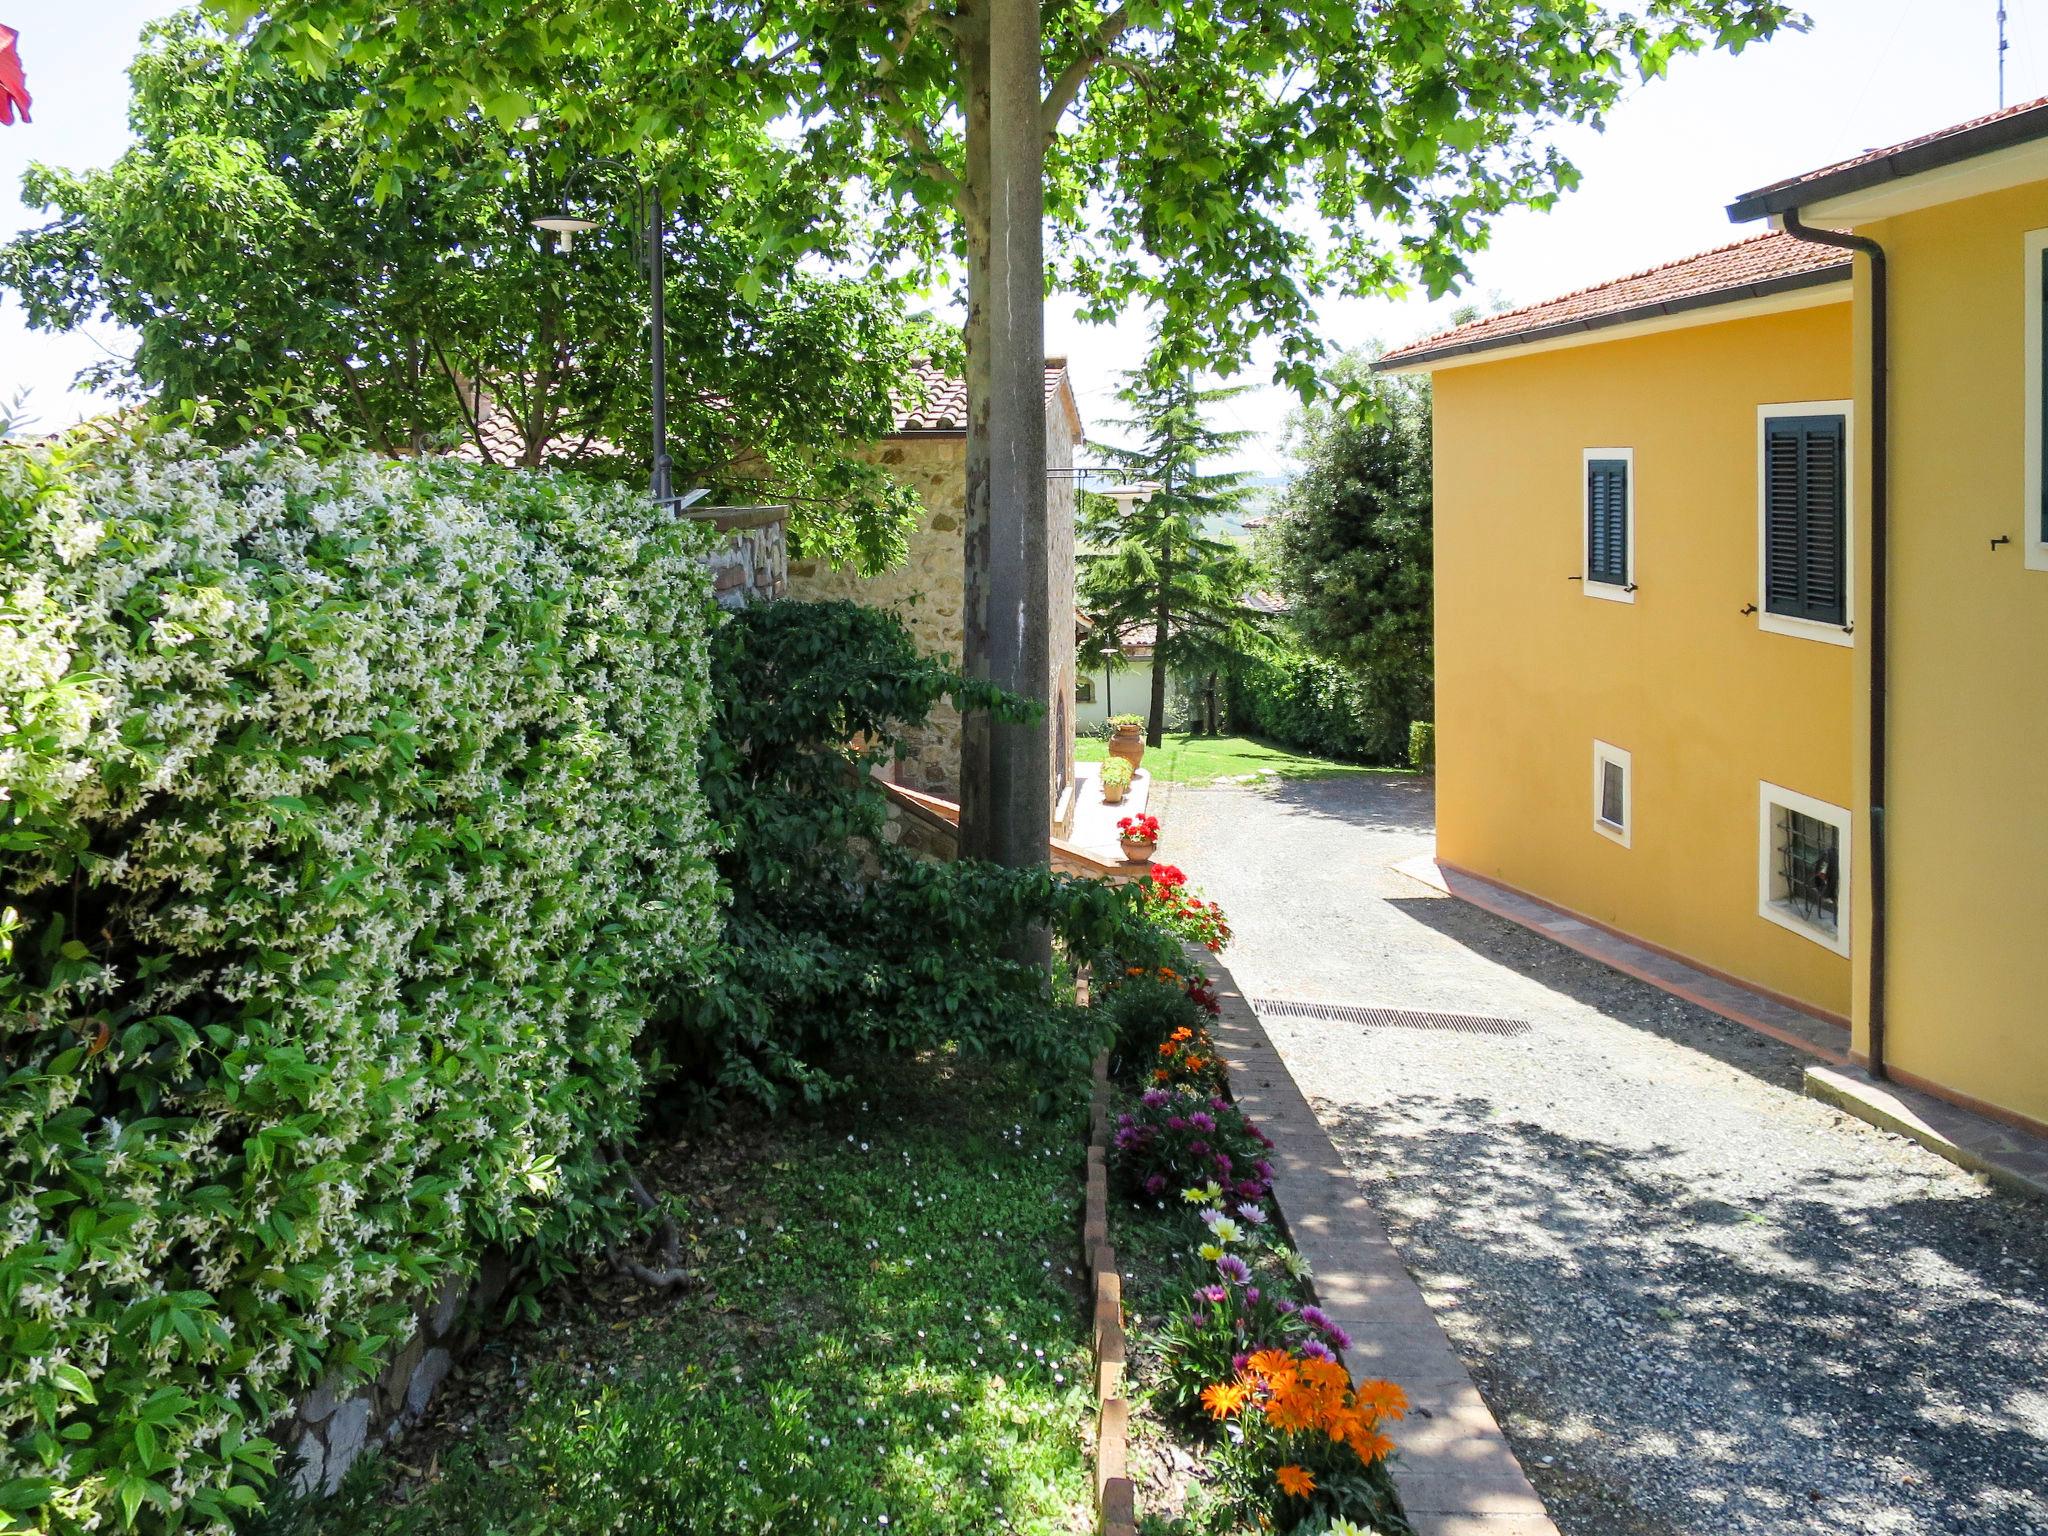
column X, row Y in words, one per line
column 1745, row 660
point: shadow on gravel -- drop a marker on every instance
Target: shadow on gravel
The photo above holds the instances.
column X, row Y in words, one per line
column 1605, row 990
column 1827, row 1360
column 1371, row 802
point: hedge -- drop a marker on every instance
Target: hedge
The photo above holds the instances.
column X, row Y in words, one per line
column 1302, row 701
column 349, row 821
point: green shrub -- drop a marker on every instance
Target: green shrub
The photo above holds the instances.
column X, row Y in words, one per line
column 1116, row 773
column 1125, row 722
column 1422, row 744
column 348, row 819
column 1301, row 701
column 836, row 941
column 1144, row 1008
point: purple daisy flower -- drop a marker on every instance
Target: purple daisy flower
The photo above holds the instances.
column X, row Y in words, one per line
column 1215, row 1295
column 1155, row 1186
column 1284, row 1305
column 1177, row 1123
column 1316, row 1349
column 1255, row 1214
column 1202, row 1122
column 1233, row 1269
column 1154, row 1098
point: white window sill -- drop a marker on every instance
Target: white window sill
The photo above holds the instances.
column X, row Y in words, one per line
column 1785, row 917
column 1608, row 590
column 1804, row 629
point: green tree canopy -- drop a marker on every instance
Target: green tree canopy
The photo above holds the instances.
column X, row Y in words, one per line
column 1352, row 539
column 242, row 241
column 1148, row 567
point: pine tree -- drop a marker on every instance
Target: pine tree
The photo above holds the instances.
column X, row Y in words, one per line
column 1149, row 568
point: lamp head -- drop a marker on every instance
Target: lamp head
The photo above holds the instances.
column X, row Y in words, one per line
column 567, row 225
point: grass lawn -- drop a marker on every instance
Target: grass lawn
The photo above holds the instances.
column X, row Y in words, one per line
column 885, row 1334
column 1183, row 759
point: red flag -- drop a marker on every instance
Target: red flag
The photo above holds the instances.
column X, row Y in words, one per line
column 13, row 84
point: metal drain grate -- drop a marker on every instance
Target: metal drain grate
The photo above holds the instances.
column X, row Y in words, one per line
column 1388, row 1018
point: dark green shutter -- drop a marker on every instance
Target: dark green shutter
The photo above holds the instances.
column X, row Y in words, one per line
column 1607, row 521
column 1806, row 518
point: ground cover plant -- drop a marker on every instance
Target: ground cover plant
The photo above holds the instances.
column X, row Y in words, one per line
column 1184, row 758
column 349, row 823
column 883, row 1321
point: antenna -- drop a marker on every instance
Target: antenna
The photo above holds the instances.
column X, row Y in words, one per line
column 2002, row 46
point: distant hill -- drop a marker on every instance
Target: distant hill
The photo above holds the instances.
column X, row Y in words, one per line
column 1262, row 495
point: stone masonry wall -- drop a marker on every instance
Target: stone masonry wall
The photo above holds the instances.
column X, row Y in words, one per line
column 924, row 591
column 751, row 565
column 333, row 1427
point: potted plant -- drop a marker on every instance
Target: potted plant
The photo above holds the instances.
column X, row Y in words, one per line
column 1116, row 778
column 1139, row 835
column 1127, row 739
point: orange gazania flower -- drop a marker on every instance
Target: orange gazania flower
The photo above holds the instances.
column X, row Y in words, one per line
column 1271, row 1363
column 1384, row 1398
column 1223, row 1398
column 1296, row 1482
column 1369, row 1445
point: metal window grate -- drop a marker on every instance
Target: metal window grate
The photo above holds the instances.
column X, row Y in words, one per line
column 1808, row 853
column 1612, row 794
column 1387, row 1018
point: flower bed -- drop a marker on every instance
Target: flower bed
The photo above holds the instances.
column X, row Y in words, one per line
column 1243, row 1416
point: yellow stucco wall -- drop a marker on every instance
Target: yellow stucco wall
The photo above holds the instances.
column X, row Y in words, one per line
column 1530, row 671
column 1968, row 812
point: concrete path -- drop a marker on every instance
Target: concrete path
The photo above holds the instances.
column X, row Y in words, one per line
column 1698, row 1302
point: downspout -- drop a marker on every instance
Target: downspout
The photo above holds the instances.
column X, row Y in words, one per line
column 1878, row 631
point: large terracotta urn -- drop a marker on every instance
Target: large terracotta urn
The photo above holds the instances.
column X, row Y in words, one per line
column 1128, row 743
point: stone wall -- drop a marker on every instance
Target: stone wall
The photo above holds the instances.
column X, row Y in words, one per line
column 751, row 565
column 334, row 1426
column 924, row 590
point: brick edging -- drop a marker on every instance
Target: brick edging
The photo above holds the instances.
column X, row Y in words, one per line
column 1116, row 1506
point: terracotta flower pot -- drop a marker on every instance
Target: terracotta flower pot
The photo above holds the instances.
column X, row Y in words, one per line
column 1129, row 744
column 1138, row 852
column 1113, row 794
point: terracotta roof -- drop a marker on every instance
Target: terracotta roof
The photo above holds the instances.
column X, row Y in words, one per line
column 1945, row 146
column 1749, row 268
column 943, row 403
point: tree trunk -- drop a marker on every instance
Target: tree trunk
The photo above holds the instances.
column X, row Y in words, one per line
column 1155, row 722
column 975, row 820
column 1006, row 812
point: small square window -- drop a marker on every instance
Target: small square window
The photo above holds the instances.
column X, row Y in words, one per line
column 1611, row 792
column 1803, row 866
column 1084, row 689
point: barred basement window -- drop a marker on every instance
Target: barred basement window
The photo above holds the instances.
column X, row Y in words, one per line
column 1611, row 797
column 1809, row 857
column 1803, row 873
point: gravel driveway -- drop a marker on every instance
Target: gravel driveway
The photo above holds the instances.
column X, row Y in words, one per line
column 1700, row 1303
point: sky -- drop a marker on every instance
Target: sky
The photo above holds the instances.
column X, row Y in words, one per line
column 1656, row 182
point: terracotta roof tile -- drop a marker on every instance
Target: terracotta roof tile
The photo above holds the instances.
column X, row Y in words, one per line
column 1873, row 156
column 1730, row 270
column 944, row 403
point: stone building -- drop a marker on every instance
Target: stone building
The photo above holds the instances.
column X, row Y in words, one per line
column 928, row 451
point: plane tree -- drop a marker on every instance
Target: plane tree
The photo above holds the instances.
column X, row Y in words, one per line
column 1228, row 163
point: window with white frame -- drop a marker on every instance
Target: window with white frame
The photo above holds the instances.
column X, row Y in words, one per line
column 1613, row 793
column 1609, row 566
column 2034, row 514
column 1084, row 688
column 1803, row 523
column 1803, row 865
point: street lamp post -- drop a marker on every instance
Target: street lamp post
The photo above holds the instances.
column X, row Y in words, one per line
column 569, row 225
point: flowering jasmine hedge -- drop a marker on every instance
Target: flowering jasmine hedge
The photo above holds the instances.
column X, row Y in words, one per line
column 349, row 820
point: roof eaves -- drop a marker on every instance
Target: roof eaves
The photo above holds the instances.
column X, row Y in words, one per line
column 1500, row 341
column 1909, row 160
